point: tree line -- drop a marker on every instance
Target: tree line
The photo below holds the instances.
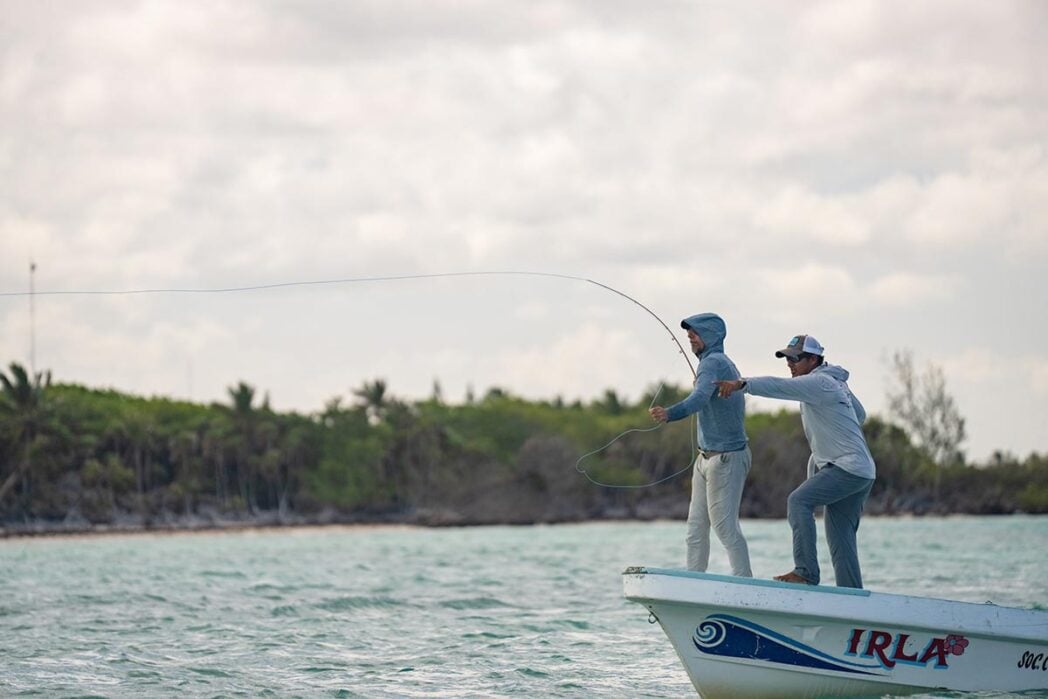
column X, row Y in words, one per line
column 75, row 458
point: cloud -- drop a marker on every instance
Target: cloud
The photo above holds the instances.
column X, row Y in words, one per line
column 810, row 290
column 797, row 215
column 843, row 166
column 1000, row 191
column 1038, row 370
column 985, row 367
column 578, row 363
column 906, row 289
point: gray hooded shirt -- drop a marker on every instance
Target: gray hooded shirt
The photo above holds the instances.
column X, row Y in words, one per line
column 720, row 420
column 831, row 414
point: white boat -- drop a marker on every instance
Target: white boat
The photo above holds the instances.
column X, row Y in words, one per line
column 743, row 637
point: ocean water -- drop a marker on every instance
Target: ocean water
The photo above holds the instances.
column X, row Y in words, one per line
column 406, row 612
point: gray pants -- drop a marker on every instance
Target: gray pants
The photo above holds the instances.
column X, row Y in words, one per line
column 843, row 495
column 716, row 491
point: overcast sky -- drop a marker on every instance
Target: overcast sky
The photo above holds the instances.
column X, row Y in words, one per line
column 873, row 173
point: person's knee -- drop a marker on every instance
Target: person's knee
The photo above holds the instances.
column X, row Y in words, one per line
column 699, row 523
column 697, row 531
column 728, row 532
column 841, row 524
column 798, row 506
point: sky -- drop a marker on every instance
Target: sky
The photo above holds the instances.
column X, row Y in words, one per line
column 874, row 173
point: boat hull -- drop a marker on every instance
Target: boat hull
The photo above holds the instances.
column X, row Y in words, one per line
column 739, row 637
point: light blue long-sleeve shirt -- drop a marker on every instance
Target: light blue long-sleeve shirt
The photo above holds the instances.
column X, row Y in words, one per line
column 831, row 414
column 720, row 420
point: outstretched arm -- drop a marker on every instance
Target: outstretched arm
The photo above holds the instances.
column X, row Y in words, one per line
column 726, row 388
column 810, row 388
column 705, row 389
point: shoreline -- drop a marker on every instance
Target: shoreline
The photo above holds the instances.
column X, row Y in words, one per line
column 43, row 531
column 114, row 532
column 109, row 532
column 190, row 526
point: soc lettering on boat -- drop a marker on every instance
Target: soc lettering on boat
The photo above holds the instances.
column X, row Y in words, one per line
column 890, row 649
column 1033, row 661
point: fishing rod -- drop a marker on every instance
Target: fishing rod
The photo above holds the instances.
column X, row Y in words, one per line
column 347, row 280
column 403, row 277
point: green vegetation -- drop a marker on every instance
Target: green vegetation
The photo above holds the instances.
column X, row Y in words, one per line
column 73, row 458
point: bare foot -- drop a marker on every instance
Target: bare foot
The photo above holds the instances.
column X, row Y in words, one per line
column 792, row 577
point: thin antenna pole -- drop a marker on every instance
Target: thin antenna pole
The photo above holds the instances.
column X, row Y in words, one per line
column 32, row 320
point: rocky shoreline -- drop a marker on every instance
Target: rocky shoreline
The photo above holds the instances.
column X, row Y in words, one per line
column 127, row 524
column 214, row 521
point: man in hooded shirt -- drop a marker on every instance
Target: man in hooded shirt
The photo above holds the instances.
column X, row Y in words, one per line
column 724, row 456
column 840, row 469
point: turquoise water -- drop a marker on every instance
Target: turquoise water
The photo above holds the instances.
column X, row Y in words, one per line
column 401, row 612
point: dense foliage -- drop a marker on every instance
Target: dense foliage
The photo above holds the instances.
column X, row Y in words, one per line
column 74, row 457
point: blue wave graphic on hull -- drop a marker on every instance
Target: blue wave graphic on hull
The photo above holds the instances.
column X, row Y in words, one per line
column 731, row 636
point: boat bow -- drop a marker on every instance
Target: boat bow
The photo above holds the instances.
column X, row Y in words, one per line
column 764, row 638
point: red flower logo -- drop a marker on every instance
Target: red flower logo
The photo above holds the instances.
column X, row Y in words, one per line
column 956, row 644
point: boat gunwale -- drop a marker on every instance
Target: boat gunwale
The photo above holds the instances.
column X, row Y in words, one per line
column 758, row 582
column 993, row 622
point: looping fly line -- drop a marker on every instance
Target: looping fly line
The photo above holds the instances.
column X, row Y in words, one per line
column 594, row 481
column 360, row 280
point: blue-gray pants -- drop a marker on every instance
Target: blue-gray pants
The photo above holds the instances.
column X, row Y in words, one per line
column 843, row 495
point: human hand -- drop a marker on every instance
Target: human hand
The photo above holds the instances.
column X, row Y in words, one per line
column 658, row 414
column 726, row 388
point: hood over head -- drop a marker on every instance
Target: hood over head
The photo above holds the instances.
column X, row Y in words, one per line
column 837, row 372
column 711, row 328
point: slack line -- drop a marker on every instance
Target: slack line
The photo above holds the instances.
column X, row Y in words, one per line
column 404, row 277
column 578, row 463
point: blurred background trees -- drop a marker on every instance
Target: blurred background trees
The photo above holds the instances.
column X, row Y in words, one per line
column 72, row 456
column 920, row 404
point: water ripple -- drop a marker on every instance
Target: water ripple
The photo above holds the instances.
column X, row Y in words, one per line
column 339, row 604
column 474, row 603
column 482, row 612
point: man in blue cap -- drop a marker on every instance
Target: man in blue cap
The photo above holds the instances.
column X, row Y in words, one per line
column 724, row 455
column 840, row 469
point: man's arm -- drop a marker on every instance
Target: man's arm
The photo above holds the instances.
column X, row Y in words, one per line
column 705, row 388
column 810, row 388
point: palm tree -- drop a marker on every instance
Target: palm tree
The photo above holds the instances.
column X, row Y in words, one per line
column 139, row 432
column 372, row 397
column 245, row 422
column 187, row 464
column 242, row 395
column 611, row 403
column 24, row 401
